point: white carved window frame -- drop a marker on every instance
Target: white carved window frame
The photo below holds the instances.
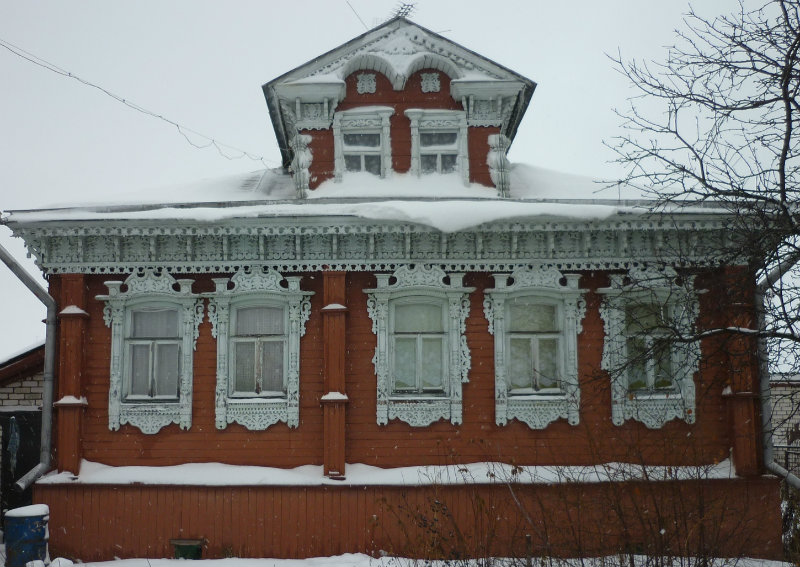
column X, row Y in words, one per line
column 662, row 287
column 150, row 289
column 363, row 120
column 433, row 120
column 429, row 284
column 249, row 288
column 546, row 286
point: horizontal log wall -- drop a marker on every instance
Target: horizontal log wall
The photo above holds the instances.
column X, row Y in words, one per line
column 724, row 518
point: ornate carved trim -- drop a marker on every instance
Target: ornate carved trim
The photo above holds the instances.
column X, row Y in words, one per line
column 374, row 119
column 430, row 82
column 117, row 247
column 658, row 285
column 248, row 287
column 549, row 286
column 427, row 119
column 499, row 166
column 145, row 288
column 365, row 83
column 431, row 283
column 301, row 161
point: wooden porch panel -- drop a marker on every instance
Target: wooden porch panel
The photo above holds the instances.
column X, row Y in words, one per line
column 721, row 517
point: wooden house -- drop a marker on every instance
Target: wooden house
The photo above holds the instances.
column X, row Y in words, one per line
column 398, row 299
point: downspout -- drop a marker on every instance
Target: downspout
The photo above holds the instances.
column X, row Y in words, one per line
column 766, row 407
column 49, row 367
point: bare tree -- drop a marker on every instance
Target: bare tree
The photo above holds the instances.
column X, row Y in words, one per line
column 719, row 121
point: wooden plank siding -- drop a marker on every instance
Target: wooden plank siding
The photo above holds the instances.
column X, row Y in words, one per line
column 97, row 522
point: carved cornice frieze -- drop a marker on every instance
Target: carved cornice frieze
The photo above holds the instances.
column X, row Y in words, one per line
column 360, row 245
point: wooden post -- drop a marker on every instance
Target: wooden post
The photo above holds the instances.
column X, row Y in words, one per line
column 70, row 402
column 334, row 401
column 743, row 400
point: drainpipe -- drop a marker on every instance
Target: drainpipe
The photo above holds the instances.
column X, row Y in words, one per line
column 49, row 366
column 766, row 407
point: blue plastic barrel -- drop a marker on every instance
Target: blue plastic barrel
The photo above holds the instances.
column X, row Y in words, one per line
column 26, row 534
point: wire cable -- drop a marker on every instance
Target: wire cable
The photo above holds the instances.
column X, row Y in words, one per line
column 227, row 151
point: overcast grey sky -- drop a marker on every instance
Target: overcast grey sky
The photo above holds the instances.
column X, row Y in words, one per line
column 201, row 63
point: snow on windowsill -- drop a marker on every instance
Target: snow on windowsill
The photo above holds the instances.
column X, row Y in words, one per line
column 218, row 474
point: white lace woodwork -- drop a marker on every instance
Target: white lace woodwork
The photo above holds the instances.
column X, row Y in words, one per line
column 352, row 244
column 426, row 284
column 657, row 287
column 545, row 287
column 424, row 121
column 301, row 161
column 364, row 120
column 365, row 83
column 149, row 289
column 249, row 288
column 499, row 166
column 430, row 82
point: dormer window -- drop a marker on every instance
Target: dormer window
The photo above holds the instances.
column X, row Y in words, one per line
column 361, row 140
column 439, row 142
column 438, row 151
column 362, row 151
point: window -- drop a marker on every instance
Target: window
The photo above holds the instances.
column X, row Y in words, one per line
column 362, row 152
column 535, row 316
column 652, row 374
column 257, row 348
column 258, row 317
column 421, row 358
column 154, row 327
column 361, row 141
column 439, row 142
column 154, row 347
column 418, row 344
column 438, row 151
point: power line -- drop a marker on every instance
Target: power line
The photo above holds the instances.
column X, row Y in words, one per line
column 366, row 27
column 225, row 150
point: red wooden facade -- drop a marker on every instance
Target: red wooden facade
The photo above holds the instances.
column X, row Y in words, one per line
column 338, row 400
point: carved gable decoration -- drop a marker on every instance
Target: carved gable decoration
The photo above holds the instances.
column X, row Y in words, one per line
column 306, row 97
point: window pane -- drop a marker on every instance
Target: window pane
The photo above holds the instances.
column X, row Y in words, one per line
column 245, row 356
column 405, row 363
column 663, row 364
column 352, row 163
column 427, row 163
column 140, row 370
column 548, row 363
column 643, row 317
column 372, row 164
column 259, row 321
column 272, row 366
column 520, row 363
column 418, row 317
column 167, row 364
column 427, row 139
column 449, row 163
column 432, row 363
column 637, row 363
column 532, row 317
column 362, row 140
column 160, row 323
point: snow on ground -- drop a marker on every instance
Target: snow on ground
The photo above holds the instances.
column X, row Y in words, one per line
column 218, row 474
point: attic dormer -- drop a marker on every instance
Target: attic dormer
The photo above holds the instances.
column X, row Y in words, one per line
column 398, row 99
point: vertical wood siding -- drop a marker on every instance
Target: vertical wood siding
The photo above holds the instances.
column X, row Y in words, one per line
column 726, row 518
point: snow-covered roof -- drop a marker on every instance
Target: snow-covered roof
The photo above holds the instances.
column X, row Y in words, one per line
column 438, row 201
